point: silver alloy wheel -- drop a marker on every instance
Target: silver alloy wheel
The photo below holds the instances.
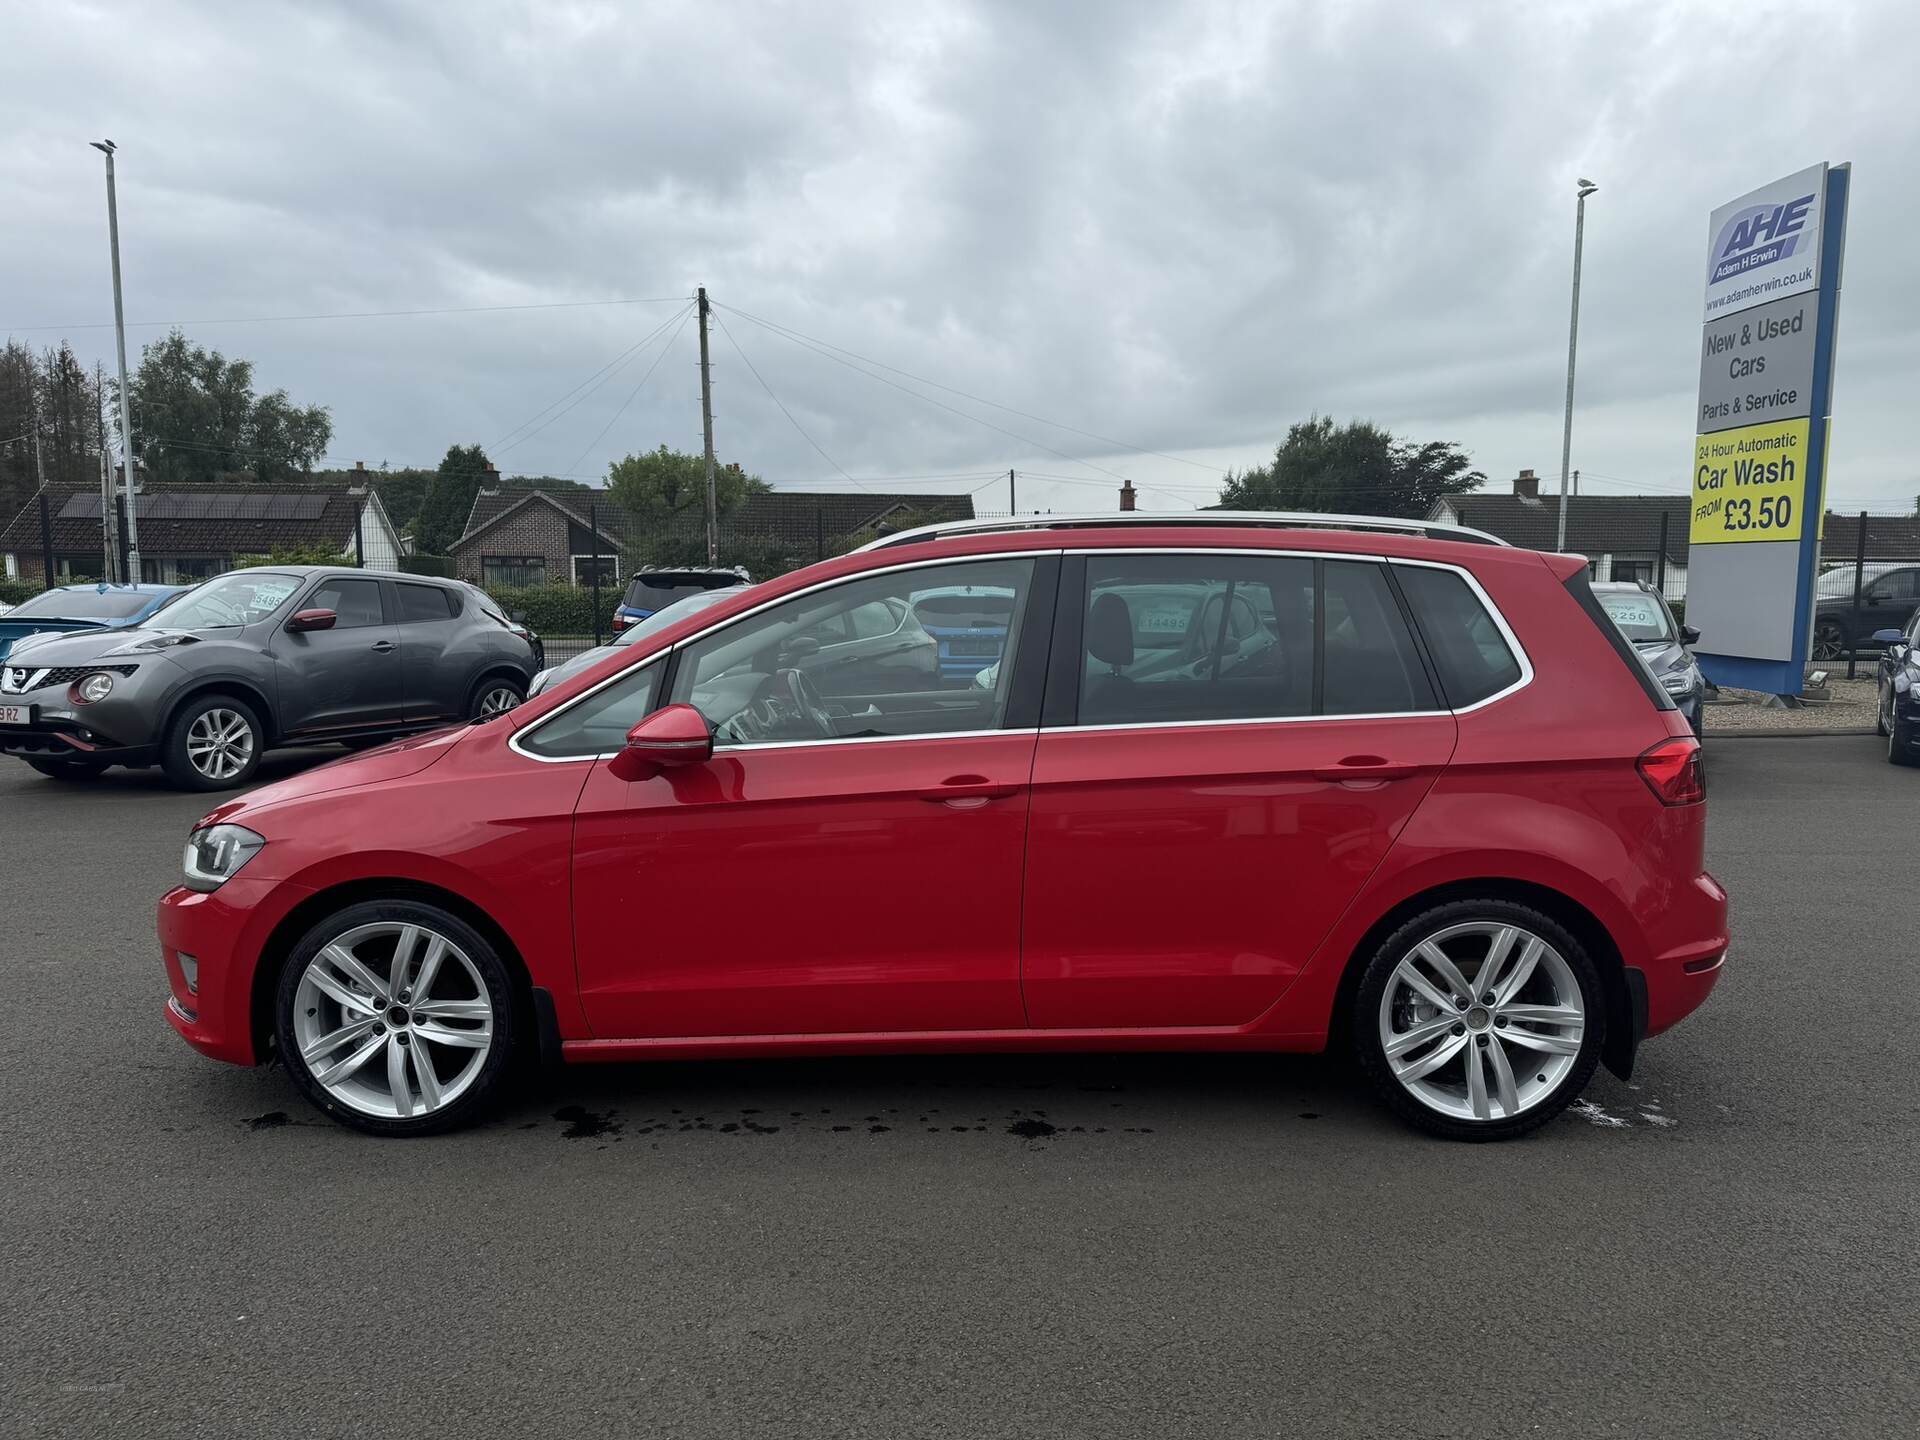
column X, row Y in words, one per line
column 498, row 700
column 1482, row 1021
column 393, row 1020
column 220, row 743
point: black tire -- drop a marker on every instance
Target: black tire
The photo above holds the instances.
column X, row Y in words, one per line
column 178, row 763
column 481, row 1092
column 70, row 770
column 1900, row 738
column 1879, row 714
column 1370, row 1052
column 1829, row 641
column 490, row 685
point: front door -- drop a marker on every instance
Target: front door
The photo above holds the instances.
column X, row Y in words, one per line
column 845, row 863
column 343, row 679
column 1250, row 734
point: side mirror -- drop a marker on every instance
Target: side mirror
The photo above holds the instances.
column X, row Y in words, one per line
column 1889, row 637
column 673, row 735
column 800, row 647
column 304, row 620
column 1689, row 635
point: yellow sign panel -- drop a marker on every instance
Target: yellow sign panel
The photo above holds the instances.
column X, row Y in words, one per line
column 1750, row 483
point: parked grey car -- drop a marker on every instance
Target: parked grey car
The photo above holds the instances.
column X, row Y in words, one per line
column 1641, row 613
column 659, row 620
column 284, row 655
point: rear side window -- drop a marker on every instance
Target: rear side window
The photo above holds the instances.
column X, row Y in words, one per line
column 424, row 602
column 1371, row 665
column 1472, row 656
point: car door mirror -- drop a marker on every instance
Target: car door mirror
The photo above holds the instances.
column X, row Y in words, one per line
column 1689, row 635
column 671, row 735
column 305, row 620
column 1889, row 637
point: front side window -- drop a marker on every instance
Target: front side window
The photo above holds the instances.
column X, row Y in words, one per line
column 598, row 725
column 1468, row 650
column 1890, row 589
column 355, row 603
column 848, row 662
column 1170, row 638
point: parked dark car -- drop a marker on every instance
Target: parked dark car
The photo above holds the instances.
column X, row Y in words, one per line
column 67, row 608
column 1641, row 613
column 651, row 590
column 287, row 655
column 1889, row 593
column 1899, row 691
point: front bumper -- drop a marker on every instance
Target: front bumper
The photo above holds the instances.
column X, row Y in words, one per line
column 121, row 730
column 225, row 932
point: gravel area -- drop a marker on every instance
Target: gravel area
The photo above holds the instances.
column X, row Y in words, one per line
column 1850, row 709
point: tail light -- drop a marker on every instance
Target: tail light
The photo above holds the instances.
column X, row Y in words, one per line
column 619, row 622
column 1673, row 771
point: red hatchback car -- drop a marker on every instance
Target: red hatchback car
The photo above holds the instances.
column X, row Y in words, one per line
column 1232, row 782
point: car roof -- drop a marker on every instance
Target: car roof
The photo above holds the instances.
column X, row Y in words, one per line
column 306, row 571
column 1126, row 520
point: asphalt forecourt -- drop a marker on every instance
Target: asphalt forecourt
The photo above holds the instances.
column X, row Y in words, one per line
column 1065, row 1245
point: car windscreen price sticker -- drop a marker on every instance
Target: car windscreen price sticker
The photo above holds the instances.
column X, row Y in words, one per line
column 1749, row 484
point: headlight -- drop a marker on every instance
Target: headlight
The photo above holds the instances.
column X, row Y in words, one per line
column 1678, row 682
column 215, row 854
column 94, row 687
column 539, row 683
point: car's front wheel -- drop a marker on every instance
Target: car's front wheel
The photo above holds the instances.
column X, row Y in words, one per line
column 396, row 1018
column 214, row 743
column 1829, row 641
column 1479, row 1019
column 1900, row 737
column 494, row 695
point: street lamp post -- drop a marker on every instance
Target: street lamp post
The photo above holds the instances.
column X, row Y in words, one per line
column 1582, row 189
column 106, row 148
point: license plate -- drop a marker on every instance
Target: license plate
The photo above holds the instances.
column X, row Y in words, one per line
column 966, row 645
column 16, row 714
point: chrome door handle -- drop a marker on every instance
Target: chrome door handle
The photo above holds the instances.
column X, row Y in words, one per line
column 381, row 647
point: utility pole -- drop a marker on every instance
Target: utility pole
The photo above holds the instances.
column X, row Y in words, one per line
column 706, row 421
column 1013, row 504
column 106, row 148
column 109, row 529
column 1582, row 189
column 40, row 478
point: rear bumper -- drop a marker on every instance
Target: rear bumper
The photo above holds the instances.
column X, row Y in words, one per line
column 1680, row 977
column 223, row 935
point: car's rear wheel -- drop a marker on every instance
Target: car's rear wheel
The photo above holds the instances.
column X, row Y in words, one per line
column 1829, row 641
column 1479, row 1019
column 65, row 769
column 396, row 1018
column 494, row 695
column 214, row 743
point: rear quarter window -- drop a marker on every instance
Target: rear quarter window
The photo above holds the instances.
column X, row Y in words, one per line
column 1471, row 655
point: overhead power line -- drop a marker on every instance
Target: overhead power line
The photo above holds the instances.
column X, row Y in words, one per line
column 777, row 401
column 580, row 392
column 685, row 316
column 358, row 314
column 978, row 399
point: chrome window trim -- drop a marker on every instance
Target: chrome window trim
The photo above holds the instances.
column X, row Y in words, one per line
column 513, row 743
column 1479, row 591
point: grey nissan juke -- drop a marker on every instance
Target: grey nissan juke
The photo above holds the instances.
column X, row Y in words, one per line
column 253, row 659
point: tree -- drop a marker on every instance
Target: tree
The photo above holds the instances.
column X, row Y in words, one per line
column 1357, row 468
column 449, row 499
column 196, row 418
column 663, row 485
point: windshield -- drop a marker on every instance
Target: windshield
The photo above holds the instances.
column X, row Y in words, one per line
column 1640, row 615
column 676, row 612
column 237, row 599
column 83, row 605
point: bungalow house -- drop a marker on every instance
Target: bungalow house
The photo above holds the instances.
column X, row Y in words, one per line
column 1621, row 535
column 191, row 531
column 522, row 535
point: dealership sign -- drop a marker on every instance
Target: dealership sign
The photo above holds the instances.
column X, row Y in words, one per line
column 1760, row 426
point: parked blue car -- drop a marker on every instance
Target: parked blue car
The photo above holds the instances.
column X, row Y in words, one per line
column 970, row 623
column 67, row 608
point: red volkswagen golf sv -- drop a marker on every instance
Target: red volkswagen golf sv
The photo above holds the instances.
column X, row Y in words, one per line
column 1217, row 783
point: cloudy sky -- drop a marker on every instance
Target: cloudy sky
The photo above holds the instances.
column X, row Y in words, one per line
column 1172, row 227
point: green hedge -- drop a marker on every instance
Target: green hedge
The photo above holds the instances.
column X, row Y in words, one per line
column 441, row 565
column 557, row 609
column 18, row 592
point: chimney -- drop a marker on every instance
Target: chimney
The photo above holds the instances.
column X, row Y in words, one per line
column 360, row 468
column 1527, row 485
column 1126, row 495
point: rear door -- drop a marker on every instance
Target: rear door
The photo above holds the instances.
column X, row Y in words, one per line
column 1232, row 741
column 438, row 652
column 346, row 678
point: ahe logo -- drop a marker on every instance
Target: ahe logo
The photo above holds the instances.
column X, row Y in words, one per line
column 1758, row 235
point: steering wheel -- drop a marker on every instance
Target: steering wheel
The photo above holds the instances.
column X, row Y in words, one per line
column 805, row 701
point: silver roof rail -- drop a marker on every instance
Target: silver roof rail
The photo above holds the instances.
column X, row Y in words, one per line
column 1241, row 519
